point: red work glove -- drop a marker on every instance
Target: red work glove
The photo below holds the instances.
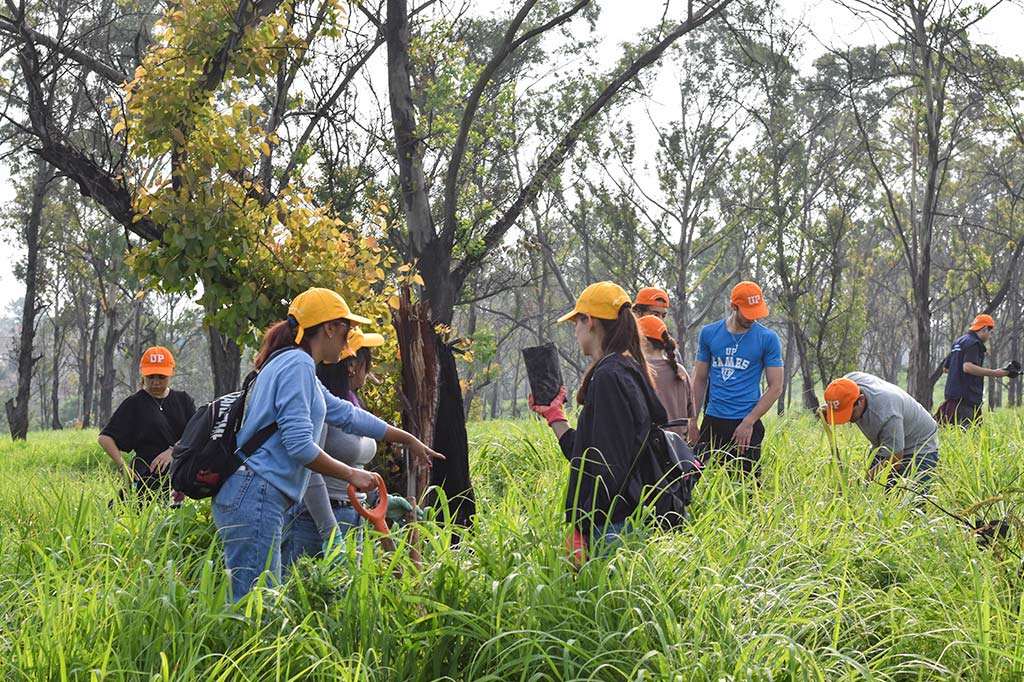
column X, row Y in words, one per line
column 552, row 413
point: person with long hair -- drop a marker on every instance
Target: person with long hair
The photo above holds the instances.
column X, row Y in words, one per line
column 671, row 380
column 325, row 517
column 148, row 423
column 250, row 508
column 619, row 408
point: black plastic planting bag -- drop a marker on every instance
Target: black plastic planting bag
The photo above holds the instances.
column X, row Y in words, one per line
column 543, row 372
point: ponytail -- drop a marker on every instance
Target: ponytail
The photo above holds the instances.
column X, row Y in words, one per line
column 621, row 335
column 668, row 346
column 281, row 335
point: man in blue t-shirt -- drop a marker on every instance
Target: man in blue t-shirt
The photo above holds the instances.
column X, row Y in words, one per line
column 732, row 354
column 965, row 383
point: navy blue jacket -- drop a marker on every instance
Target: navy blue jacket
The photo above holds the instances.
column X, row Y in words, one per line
column 961, row 386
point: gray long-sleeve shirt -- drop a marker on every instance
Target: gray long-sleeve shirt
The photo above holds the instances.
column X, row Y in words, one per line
column 893, row 421
column 356, row 451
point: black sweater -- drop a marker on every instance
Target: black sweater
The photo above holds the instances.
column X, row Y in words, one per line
column 617, row 415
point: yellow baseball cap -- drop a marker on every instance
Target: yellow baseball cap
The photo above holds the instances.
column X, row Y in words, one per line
column 358, row 339
column 602, row 300
column 316, row 306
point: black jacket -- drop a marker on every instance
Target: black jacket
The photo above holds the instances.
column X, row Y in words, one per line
column 618, row 413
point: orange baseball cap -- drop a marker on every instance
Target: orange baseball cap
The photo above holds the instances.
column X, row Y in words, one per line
column 840, row 396
column 653, row 297
column 982, row 321
column 652, row 327
column 316, row 306
column 749, row 298
column 156, row 360
column 602, row 300
column 358, row 339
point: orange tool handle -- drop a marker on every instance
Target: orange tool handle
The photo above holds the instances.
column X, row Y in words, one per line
column 377, row 515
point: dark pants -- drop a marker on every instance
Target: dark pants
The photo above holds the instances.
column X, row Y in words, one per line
column 960, row 412
column 716, row 438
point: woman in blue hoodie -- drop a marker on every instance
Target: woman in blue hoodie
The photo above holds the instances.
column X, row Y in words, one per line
column 250, row 509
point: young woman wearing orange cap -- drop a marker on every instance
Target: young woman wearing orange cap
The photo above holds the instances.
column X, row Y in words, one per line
column 325, row 514
column 619, row 407
column 671, row 381
column 250, row 508
column 148, row 423
column 651, row 301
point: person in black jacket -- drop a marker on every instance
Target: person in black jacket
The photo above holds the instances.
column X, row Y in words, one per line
column 619, row 408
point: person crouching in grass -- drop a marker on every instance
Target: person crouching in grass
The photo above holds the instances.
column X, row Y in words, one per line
column 619, row 407
column 902, row 433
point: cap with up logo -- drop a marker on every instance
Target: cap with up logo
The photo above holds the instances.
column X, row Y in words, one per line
column 156, row 360
column 749, row 298
column 840, row 396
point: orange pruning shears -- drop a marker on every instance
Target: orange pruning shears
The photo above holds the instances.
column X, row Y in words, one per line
column 377, row 515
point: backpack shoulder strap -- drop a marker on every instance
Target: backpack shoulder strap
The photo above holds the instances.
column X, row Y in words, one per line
column 260, row 437
column 258, row 440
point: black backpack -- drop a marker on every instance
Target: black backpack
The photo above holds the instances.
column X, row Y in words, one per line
column 663, row 475
column 205, row 455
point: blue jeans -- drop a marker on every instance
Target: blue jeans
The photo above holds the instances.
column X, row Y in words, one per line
column 301, row 537
column 250, row 513
column 919, row 466
column 606, row 541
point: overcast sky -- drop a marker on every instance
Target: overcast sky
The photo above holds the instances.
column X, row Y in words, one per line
column 828, row 24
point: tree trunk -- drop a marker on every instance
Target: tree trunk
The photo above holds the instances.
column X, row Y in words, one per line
column 89, row 380
column 58, row 352
column 787, row 373
column 919, row 383
column 1014, row 389
column 108, row 375
column 494, row 399
column 430, row 380
column 134, row 374
column 810, row 398
column 225, row 361
column 17, row 408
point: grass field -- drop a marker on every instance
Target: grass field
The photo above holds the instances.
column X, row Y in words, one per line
column 812, row 577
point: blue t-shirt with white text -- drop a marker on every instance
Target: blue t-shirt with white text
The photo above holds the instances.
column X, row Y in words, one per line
column 736, row 362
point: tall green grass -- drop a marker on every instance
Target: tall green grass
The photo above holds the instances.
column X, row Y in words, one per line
column 813, row 576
